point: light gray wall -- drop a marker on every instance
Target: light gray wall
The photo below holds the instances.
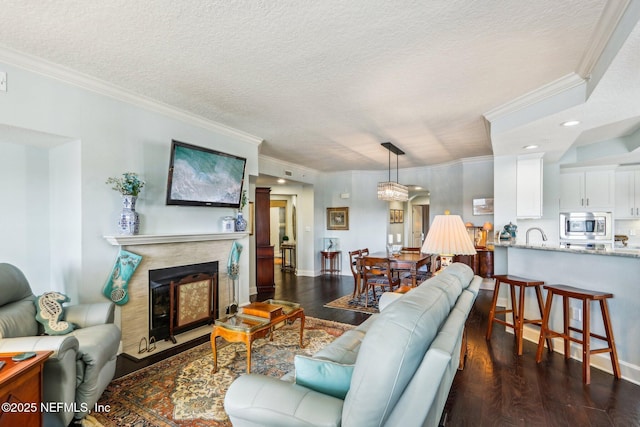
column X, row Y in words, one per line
column 451, row 187
column 102, row 137
column 24, row 224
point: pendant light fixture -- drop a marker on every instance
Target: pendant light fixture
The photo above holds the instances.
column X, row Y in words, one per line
column 393, row 191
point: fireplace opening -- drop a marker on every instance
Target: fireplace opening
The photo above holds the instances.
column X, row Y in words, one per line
column 182, row 298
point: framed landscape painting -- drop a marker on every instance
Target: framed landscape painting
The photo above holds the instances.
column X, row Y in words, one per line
column 338, row 218
column 483, row 206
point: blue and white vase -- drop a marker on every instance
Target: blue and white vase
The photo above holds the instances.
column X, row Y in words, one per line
column 241, row 223
column 129, row 222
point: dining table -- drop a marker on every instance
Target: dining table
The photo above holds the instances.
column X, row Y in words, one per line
column 403, row 261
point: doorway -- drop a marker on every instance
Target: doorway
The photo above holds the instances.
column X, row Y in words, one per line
column 278, row 228
column 419, row 224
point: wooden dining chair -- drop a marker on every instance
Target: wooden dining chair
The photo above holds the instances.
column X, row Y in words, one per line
column 354, row 257
column 377, row 273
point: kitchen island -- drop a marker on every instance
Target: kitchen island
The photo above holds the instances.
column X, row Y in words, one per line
column 616, row 271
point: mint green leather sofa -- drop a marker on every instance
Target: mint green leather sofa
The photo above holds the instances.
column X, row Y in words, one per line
column 405, row 359
column 83, row 362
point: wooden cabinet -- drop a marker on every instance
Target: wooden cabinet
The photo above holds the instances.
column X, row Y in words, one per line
column 481, row 263
column 627, row 194
column 264, row 249
column 21, row 389
column 587, row 190
column 529, row 175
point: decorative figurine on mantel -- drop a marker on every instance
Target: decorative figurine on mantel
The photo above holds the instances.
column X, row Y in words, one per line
column 241, row 223
column 129, row 186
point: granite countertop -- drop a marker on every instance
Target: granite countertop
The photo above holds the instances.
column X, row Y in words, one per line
column 623, row 252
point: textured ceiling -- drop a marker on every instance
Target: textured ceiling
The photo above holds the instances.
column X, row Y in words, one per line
column 321, row 82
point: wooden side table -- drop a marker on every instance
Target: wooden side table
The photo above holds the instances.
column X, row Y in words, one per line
column 331, row 262
column 288, row 254
column 21, row 389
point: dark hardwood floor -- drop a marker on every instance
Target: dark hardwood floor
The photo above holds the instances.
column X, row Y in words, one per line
column 496, row 388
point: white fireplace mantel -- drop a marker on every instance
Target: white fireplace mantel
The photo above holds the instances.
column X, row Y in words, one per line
column 154, row 239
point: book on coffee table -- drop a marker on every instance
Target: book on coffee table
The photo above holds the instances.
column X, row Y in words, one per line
column 262, row 309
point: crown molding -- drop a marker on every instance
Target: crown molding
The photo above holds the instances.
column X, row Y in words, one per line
column 571, row 85
column 93, row 84
column 556, row 87
column 609, row 20
column 464, row 161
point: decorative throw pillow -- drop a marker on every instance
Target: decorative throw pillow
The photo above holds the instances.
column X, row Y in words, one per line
column 50, row 313
column 323, row 376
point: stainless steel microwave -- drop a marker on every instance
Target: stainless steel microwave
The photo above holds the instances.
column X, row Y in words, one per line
column 586, row 226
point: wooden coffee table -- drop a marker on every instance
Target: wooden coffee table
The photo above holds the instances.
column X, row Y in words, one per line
column 256, row 320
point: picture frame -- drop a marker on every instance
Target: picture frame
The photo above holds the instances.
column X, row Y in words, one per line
column 483, row 206
column 338, row 218
column 392, row 216
column 399, row 216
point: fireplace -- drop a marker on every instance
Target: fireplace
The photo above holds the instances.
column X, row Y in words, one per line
column 182, row 298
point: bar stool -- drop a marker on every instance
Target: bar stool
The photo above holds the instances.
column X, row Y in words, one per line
column 586, row 296
column 517, row 307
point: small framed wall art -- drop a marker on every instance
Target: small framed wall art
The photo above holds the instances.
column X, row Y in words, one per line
column 338, row 218
column 483, row 206
column 396, row 216
column 399, row 216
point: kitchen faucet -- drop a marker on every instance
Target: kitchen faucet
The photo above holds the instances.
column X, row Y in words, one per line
column 544, row 236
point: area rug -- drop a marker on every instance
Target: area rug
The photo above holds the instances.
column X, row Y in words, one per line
column 347, row 302
column 183, row 391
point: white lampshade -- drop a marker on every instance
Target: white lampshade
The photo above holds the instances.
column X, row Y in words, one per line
column 448, row 236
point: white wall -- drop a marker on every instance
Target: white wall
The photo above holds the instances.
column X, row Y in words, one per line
column 107, row 137
column 24, row 173
column 65, row 231
column 505, row 205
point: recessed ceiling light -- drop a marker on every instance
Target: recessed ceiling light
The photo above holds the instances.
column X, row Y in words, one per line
column 571, row 123
column 530, row 147
column 417, row 187
column 281, row 181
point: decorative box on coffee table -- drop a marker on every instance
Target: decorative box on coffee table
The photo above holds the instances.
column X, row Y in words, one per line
column 256, row 320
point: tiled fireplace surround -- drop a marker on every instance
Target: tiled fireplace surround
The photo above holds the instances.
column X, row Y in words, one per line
column 162, row 251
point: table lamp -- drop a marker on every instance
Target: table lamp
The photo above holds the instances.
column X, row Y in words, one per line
column 486, row 228
column 447, row 237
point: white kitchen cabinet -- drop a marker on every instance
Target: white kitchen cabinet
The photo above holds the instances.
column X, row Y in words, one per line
column 529, row 175
column 585, row 190
column 627, row 194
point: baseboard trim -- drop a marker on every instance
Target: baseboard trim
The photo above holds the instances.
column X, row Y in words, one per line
column 629, row 371
column 306, row 273
column 602, row 361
